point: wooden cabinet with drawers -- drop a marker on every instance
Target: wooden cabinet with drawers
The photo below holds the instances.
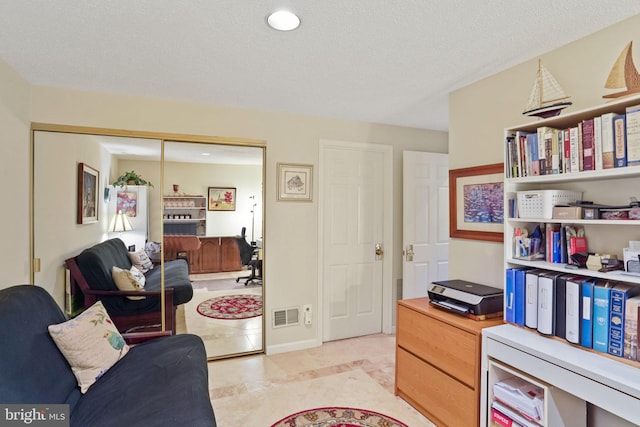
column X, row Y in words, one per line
column 438, row 362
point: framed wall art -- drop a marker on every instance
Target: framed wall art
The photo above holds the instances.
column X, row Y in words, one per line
column 476, row 202
column 295, row 182
column 127, row 202
column 221, row 199
column 88, row 178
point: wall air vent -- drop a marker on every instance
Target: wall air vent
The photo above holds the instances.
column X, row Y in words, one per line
column 286, row 317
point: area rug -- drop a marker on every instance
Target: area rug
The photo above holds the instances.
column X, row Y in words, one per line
column 231, row 307
column 338, row 417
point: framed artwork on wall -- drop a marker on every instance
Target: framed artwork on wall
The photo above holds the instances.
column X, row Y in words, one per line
column 221, row 199
column 476, row 202
column 295, row 182
column 88, row 178
column 127, row 202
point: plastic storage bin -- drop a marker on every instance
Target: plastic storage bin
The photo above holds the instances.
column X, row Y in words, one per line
column 540, row 203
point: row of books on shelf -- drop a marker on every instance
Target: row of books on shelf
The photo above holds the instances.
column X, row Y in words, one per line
column 599, row 314
column 602, row 142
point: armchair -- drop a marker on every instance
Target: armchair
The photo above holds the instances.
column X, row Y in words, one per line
column 249, row 257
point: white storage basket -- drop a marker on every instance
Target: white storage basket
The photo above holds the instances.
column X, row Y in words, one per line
column 540, row 203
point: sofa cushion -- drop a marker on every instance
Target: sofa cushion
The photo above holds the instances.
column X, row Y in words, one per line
column 96, row 262
column 176, row 365
column 32, row 369
column 176, row 276
column 129, row 280
column 141, row 260
column 90, row 343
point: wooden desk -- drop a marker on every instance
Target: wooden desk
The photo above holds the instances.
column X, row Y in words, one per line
column 214, row 255
column 438, row 362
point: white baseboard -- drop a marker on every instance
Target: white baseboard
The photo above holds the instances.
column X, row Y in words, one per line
column 292, row 346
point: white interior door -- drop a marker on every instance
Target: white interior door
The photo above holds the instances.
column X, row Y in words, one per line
column 354, row 193
column 425, row 216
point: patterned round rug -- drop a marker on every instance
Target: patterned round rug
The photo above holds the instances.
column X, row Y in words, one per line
column 338, row 417
column 231, row 307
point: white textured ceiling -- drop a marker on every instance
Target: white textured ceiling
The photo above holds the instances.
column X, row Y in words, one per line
column 382, row 61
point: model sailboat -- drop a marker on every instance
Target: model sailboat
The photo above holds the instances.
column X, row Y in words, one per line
column 623, row 74
column 547, row 98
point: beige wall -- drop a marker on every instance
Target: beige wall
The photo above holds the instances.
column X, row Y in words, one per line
column 14, row 172
column 291, row 253
column 480, row 112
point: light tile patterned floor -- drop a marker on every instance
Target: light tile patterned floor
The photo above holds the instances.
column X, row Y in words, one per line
column 256, row 391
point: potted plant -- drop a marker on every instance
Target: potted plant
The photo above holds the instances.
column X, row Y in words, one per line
column 130, row 178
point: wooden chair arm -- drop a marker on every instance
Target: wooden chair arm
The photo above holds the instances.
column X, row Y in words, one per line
column 140, row 337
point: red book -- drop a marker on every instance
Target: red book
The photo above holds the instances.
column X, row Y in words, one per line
column 577, row 245
column 588, row 153
column 566, row 160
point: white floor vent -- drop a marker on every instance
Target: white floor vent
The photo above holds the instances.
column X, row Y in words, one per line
column 286, row 317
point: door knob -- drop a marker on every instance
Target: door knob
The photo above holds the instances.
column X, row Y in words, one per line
column 379, row 251
column 409, row 253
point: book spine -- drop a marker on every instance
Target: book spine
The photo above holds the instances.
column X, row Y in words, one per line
column 620, row 143
column 573, row 144
column 509, row 296
column 587, row 145
column 542, row 161
column 631, row 328
column 616, row 322
column 601, row 296
column 531, row 303
column 561, row 307
column 586, row 328
column 633, row 135
column 546, row 305
column 597, row 143
column 567, row 151
column 608, row 157
column 520, row 296
column 573, row 311
column 555, row 152
column 560, row 145
column 580, row 148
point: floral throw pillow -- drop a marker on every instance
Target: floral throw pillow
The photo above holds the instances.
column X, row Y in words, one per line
column 128, row 280
column 141, row 260
column 91, row 344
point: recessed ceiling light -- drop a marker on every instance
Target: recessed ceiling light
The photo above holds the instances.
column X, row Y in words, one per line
column 206, row 154
column 283, row 20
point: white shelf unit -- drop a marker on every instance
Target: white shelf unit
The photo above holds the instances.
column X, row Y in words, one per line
column 606, row 186
column 185, row 215
column 573, row 376
column 586, row 375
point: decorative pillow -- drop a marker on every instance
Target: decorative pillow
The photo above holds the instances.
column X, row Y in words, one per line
column 91, row 344
column 128, row 280
column 141, row 260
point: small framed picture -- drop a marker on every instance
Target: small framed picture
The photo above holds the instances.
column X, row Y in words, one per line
column 295, row 182
column 221, row 199
column 87, row 191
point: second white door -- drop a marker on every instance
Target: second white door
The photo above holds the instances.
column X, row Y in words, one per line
column 425, row 221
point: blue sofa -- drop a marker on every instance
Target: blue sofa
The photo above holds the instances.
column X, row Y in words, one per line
column 161, row 382
column 91, row 271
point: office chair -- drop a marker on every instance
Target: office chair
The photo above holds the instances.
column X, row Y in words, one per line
column 248, row 257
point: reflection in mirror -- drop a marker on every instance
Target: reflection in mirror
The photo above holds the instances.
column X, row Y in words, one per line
column 212, row 218
column 57, row 235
